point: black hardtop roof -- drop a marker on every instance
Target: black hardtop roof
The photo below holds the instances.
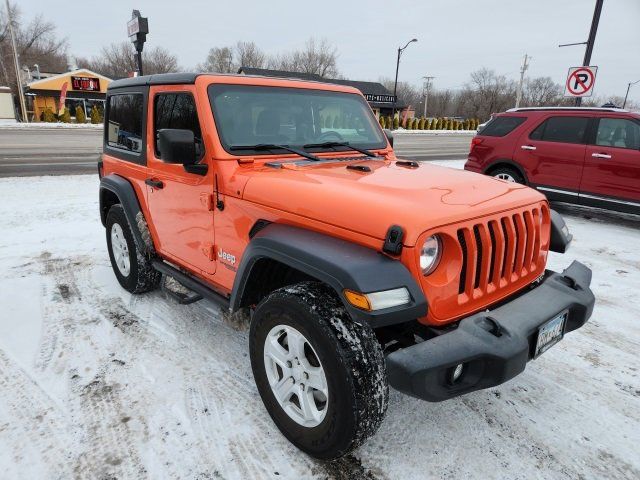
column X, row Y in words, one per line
column 158, row 79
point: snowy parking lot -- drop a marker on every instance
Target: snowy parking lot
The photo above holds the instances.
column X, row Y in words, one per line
column 96, row 383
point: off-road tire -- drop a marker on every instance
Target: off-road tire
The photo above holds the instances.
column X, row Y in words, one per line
column 352, row 360
column 142, row 276
column 512, row 172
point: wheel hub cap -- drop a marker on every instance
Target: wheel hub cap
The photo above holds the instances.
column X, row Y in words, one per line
column 296, row 376
column 505, row 176
column 120, row 250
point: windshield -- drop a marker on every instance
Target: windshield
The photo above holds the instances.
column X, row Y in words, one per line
column 248, row 115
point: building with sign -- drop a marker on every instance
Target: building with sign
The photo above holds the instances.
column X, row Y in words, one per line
column 380, row 99
column 81, row 87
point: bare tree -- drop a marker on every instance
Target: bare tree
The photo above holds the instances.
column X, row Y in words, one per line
column 247, row 54
column 486, row 93
column 407, row 94
column 119, row 59
column 317, row 57
column 219, row 60
column 541, row 91
column 37, row 42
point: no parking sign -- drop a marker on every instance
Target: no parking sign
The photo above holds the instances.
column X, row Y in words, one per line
column 580, row 82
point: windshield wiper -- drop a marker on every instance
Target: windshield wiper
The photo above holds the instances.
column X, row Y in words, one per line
column 273, row 146
column 339, row 144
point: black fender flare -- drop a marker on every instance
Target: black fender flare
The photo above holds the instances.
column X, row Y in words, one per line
column 338, row 263
column 510, row 163
column 127, row 197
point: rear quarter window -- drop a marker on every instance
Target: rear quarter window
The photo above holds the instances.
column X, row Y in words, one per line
column 563, row 129
column 124, row 122
column 501, row 126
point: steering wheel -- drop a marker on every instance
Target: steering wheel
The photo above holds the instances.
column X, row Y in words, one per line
column 326, row 136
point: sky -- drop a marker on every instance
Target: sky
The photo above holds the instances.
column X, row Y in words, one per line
column 454, row 37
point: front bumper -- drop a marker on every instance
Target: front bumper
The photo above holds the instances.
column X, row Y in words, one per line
column 494, row 346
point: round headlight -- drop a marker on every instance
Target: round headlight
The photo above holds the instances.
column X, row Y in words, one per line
column 430, row 254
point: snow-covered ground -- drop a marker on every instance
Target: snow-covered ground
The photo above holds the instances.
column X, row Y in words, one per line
column 96, row 383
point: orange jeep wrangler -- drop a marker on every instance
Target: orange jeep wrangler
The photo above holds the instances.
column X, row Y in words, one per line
column 283, row 200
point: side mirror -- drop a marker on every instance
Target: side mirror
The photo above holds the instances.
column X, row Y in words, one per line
column 179, row 146
column 389, row 135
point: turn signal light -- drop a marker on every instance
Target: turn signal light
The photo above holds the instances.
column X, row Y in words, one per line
column 358, row 300
column 378, row 300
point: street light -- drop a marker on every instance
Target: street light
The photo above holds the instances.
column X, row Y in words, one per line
column 395, row 84
column 627, row 95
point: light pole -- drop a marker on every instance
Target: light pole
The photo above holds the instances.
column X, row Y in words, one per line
column 627, row 95
column 427, row 87
column 395, row 84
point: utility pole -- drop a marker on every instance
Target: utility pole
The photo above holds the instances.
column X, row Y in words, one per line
column 627, row 94
column 523, row 69
column 427, row 87
column 16, row 63
column 591, row 40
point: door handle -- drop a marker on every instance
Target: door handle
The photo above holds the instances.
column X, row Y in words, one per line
column 601, row 155
column 154, row 183
column 528, row 147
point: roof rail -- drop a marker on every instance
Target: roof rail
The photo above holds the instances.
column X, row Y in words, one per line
column 577, row 109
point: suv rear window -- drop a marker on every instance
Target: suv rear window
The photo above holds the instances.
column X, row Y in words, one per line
column 501, row 126
column 124, row 122
column 561, row 129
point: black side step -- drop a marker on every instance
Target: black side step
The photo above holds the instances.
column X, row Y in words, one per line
column 191, row 283
column 179, row 292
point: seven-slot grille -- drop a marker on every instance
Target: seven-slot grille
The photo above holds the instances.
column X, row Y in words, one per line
column 498, row 251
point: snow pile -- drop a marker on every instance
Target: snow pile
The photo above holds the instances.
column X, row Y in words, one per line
column 97, row 383
column 402, row 131
column 45, row 125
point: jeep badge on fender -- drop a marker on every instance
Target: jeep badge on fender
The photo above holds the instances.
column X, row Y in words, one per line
column 358, row 271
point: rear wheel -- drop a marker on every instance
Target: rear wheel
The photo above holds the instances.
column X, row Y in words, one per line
column 508, row 174
column 321, row 376
column 131, row 267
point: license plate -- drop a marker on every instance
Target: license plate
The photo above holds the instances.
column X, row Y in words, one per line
column 550, row 333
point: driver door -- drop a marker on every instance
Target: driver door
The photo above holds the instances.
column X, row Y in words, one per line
column 179, row 202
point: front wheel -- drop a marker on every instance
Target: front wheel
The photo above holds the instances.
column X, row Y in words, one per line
column 132, row 268
column 321, row 375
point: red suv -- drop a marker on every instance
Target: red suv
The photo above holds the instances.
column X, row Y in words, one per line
column 589, row 156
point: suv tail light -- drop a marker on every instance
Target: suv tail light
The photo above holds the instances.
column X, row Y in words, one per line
column 476, row 141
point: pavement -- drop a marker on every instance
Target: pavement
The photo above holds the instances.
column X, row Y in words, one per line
column 27, row 152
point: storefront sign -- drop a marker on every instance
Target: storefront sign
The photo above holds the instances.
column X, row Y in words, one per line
column 379, row 98
column 86, row 84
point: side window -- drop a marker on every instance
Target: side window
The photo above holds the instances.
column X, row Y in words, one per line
column 501, row 126
column 618, row 132
column 176, row 110
column 561, row 129
column 124, row 122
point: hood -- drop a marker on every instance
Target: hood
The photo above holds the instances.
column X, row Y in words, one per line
column 418, row 199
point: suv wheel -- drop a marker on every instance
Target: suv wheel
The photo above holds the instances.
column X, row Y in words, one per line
column 321, row 375
column 132, row 269
column 508, row 174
